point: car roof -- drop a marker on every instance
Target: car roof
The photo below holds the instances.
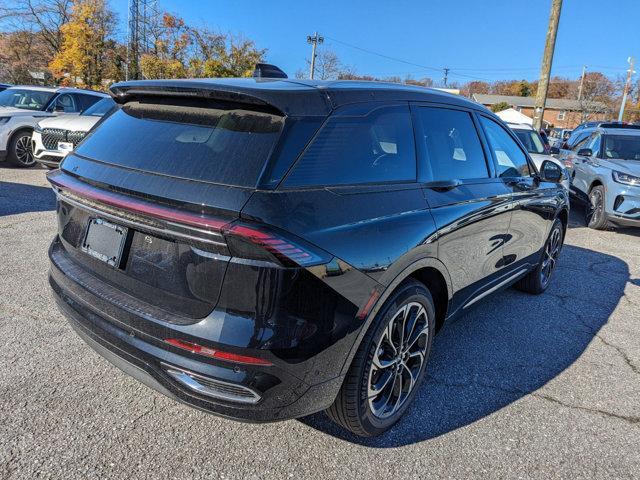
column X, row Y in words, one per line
column 36, row 88
column 619, row 131
column 290, row 96
column 519, row 126
column 39, row 88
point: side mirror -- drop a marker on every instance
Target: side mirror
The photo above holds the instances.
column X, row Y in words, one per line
column 551, row 172
column 554, row 150
column 585, row 152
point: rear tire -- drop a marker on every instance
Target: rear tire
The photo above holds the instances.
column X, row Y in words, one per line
column 538, row 279
column 595, row 212
column 20, row 150
column 388, row 368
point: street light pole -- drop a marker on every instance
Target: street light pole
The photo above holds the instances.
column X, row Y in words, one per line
column 314, row 40
column 547, row 60
column 627, row 84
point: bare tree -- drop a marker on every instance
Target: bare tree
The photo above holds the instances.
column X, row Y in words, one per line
column 328, row 65
column 42, row 16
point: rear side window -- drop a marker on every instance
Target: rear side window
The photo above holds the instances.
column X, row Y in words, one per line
column 450, row 144
column 218, row 143
column 510, row 159
column 355, row 149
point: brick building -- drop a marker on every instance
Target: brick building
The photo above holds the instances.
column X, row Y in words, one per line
column 559, row 112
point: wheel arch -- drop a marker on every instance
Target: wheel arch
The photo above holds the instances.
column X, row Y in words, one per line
column 429, row 271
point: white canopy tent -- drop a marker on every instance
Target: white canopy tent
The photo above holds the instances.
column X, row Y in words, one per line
column 511, row 115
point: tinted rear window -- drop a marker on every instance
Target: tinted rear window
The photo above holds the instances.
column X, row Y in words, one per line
column 225, row 144
column 354, row 149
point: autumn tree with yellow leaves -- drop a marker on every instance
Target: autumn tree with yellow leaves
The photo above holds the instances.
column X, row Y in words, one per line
column 182, row 51
column 87, row 51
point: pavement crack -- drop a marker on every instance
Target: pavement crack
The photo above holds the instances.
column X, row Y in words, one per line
column 631, row 419
column 622, row 354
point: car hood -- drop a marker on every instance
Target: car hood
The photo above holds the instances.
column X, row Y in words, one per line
column 74, row 123
column 538, row 158
column 632, row 167
column 19, row 112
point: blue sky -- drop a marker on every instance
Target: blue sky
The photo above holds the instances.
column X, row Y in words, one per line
column 481, row 39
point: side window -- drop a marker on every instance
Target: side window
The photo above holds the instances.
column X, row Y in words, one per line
column 84, row 101
column 582, row 143
column 66, row 103
column 450, row 144
column 594, row 144
column 510, row 159
column 355, row 149
column 573, row 140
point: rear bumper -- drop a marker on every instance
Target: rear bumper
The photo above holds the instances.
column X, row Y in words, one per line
column 278, row 393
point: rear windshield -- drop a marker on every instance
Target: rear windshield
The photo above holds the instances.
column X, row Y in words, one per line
column 218, row 143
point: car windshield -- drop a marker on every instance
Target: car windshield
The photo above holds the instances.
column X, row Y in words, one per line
column 101, row 108
column 625, row 147
column 25, row 99
column 531, row 140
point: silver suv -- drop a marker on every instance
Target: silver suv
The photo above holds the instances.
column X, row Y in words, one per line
column 605, row 171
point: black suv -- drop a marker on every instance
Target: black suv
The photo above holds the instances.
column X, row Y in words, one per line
column 265, row 249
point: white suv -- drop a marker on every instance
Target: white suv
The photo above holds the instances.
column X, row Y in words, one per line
column 22, row 107
column 54, row 138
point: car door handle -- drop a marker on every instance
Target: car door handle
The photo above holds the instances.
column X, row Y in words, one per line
column 443, row 185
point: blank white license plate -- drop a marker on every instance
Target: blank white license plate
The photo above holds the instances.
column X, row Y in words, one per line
column 65, row 146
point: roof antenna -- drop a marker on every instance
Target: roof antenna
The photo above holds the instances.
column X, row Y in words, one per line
column 266, row 70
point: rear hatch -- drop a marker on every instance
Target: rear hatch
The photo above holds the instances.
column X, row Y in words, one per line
column 144, row 199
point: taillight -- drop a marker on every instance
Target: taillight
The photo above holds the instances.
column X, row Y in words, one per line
column 213, row 353
column 262, row 243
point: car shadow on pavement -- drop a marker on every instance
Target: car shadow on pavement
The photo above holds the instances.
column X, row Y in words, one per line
column 22, row 198
column 507, row 347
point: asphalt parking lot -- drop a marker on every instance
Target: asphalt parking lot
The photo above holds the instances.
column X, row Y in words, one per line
column 520, row 387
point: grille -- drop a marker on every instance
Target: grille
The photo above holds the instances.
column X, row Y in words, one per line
column 75, row 137
column 51, row 137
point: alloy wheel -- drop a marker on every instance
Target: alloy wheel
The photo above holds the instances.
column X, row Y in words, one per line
column 24, row 150
column 594, row 208
column 398, row 360
column 551, row 254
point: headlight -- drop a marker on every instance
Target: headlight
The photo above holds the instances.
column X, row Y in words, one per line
column 4, row 120
column 625, row 178
column 37, row 128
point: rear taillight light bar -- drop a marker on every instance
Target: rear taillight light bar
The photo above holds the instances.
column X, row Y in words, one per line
column 244, row 239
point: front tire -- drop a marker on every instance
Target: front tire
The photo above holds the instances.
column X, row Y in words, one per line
column 537, row 280
column 20, row 150
column 595, row 212
column 390, row 363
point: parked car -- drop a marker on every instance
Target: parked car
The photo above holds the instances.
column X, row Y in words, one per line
column 4, row 86
column 605, row 170
column 584, row 129
column 559, row 136
column 22, row 107
column 534, row 144
column 53, row 138
column 264, row 249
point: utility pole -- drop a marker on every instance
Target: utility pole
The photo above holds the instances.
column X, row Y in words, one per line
column 584, row 68
column 446, row 76
column 313, row 40
column 547, row 61
column 627, row 84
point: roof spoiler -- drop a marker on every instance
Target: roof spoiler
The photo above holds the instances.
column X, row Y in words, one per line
column 266, row 70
